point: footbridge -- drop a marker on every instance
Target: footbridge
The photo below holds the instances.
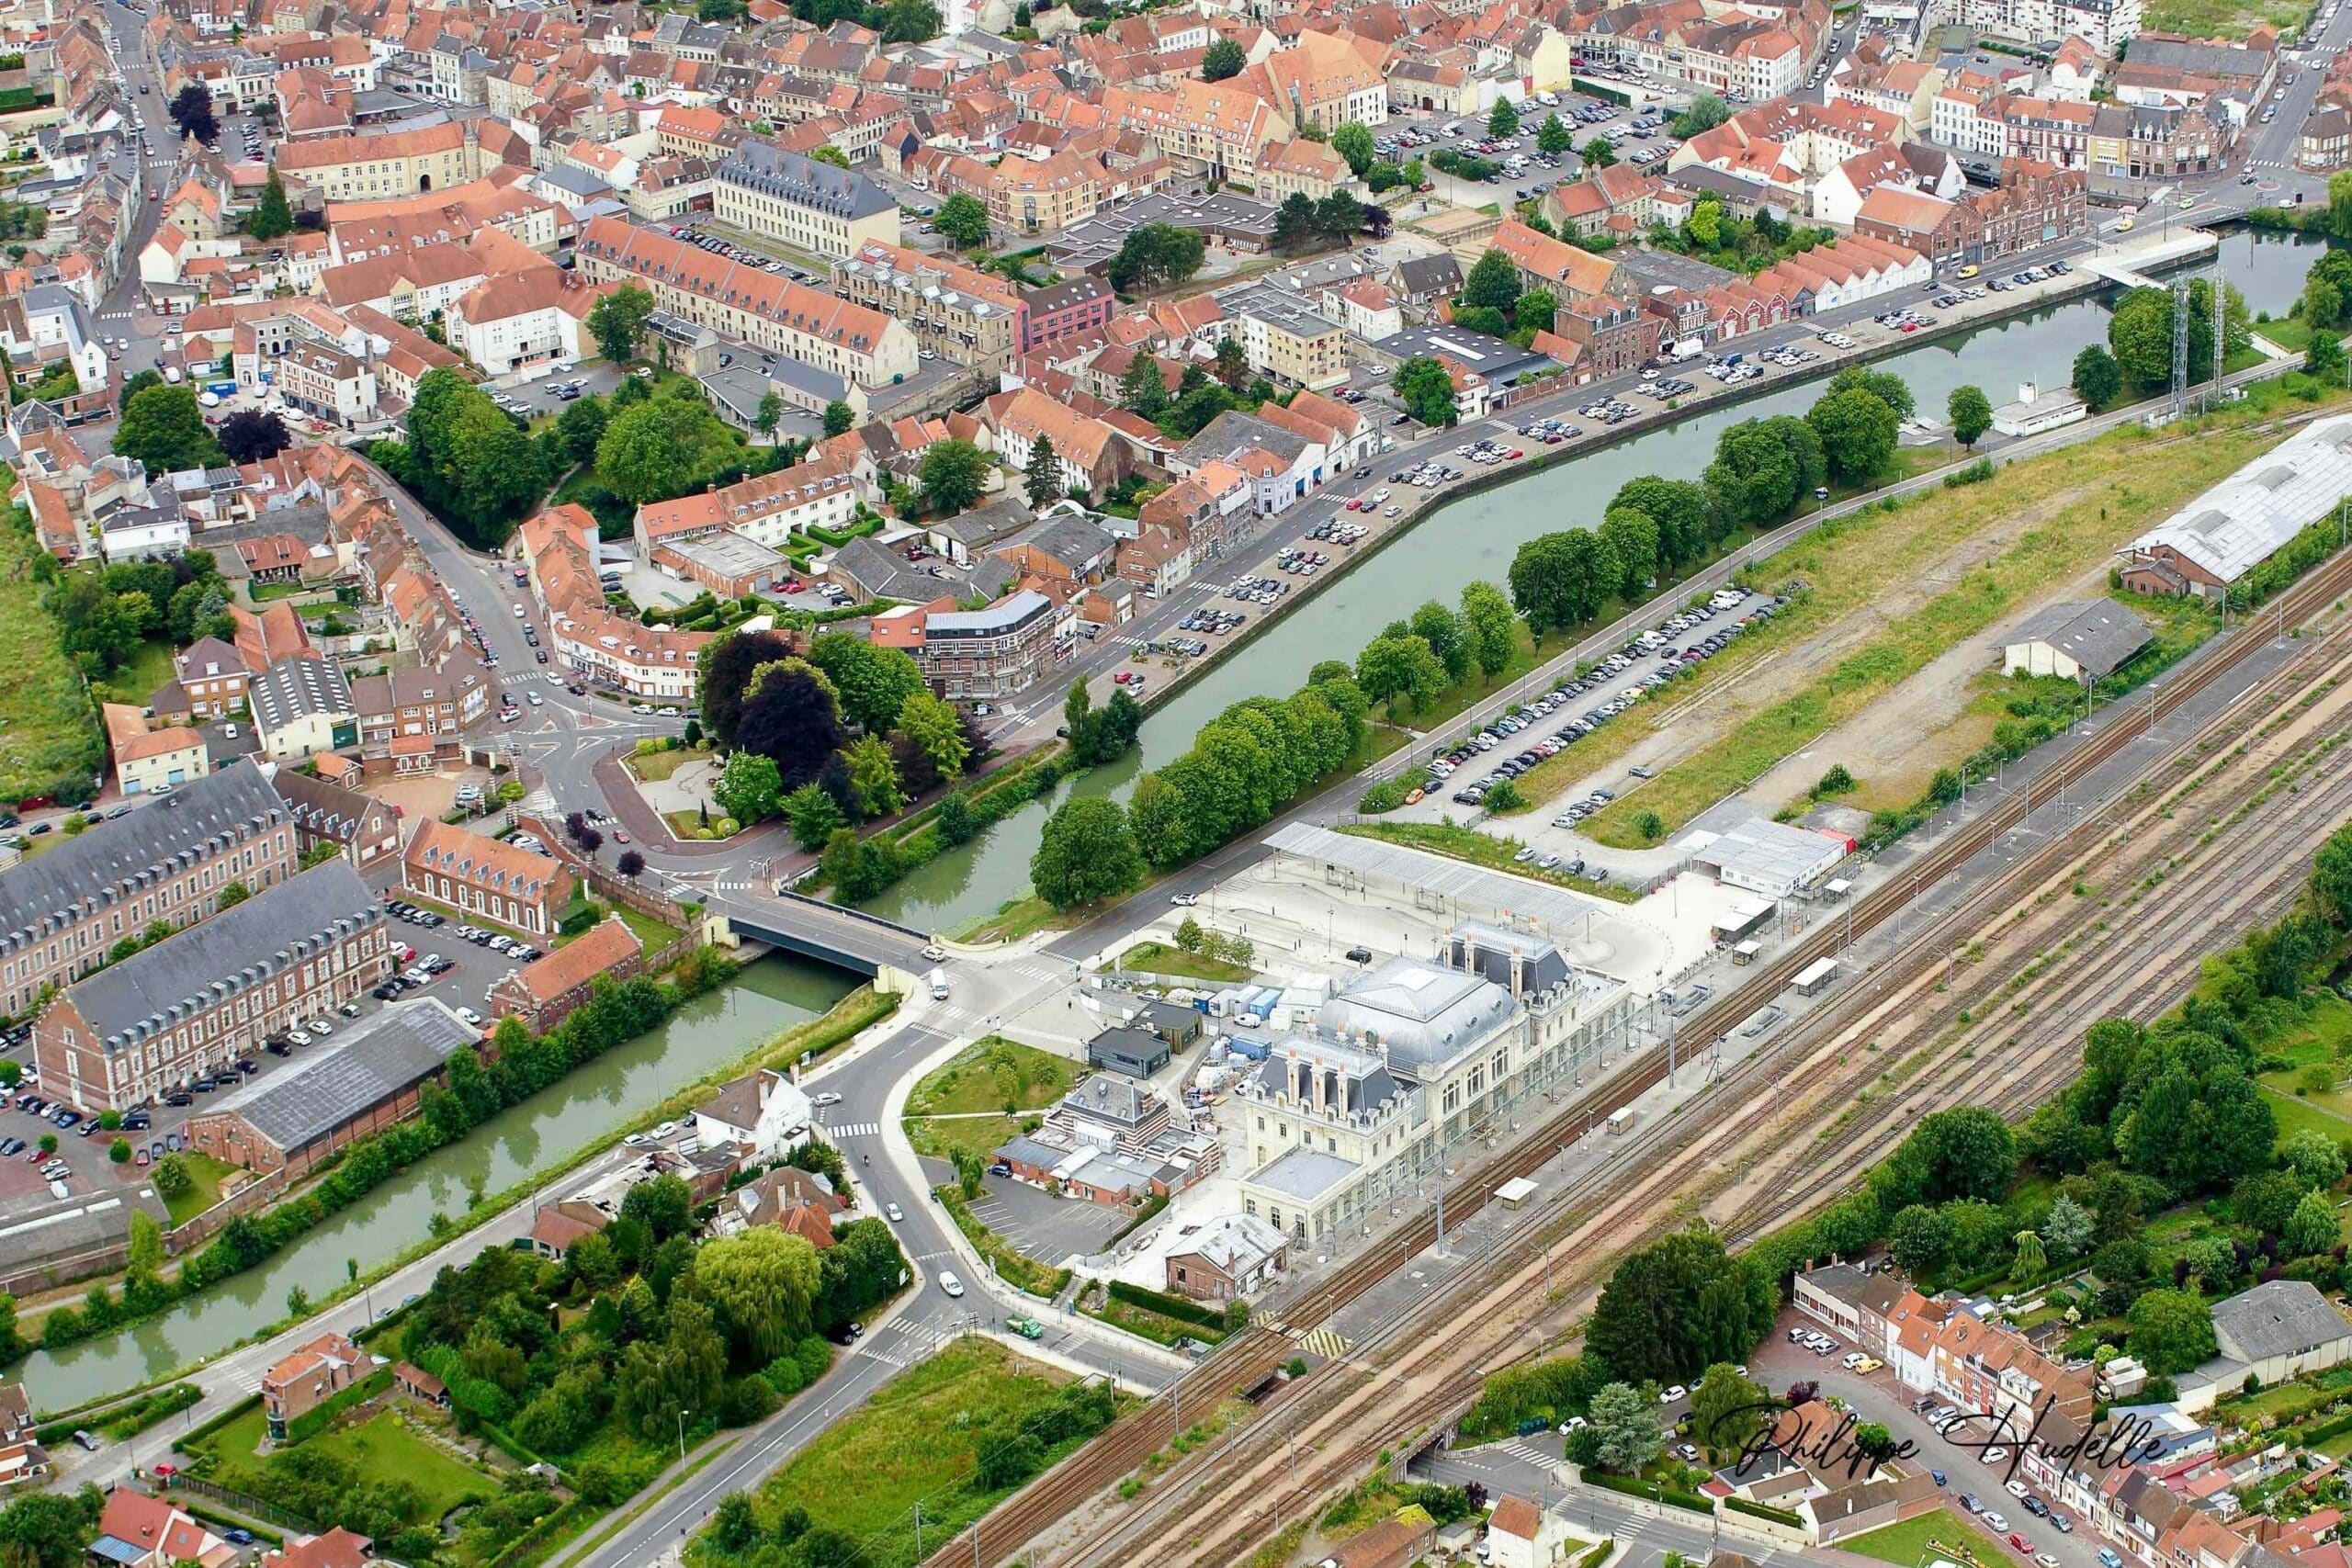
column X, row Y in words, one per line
column 2128, row 264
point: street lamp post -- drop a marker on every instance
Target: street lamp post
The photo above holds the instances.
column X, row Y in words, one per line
column 682, row 1435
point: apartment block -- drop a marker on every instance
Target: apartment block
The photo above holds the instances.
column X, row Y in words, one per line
column 191, row 1005
column 61, row 911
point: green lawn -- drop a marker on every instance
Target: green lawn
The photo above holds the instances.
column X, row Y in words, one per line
column 1489, row 850
column 1930, row 1536
column 379, row 1449
column 914, row 1441
column 232, row 1442
column 2080, row 505
column 2295, row 1114
column 204, row 1188
column 147, row 668
column 2224, row 18
column 655, row 934
column 1158, row 958
column 48, row 731
column 949, row 1108
column 383, row 1448
column 2290, row 333
column 661, row 764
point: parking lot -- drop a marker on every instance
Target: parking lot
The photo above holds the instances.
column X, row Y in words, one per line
column 1639, row 136
column 1466, row 769
column 1037, row 1224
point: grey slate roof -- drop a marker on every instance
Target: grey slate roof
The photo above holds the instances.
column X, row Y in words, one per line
column 2282, row 1317
column 2098, row 635
column 276, row 931
column 332, row 1082
column 119, row 859
column 297, row 687
column 803, row 181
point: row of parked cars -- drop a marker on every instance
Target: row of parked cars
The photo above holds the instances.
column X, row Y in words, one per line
column 1254, row 590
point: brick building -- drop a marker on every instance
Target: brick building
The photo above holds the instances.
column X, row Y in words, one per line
column 542, row 991
column 61, row 912
column 476, row 874
column 191, row 1005
column 299, row 1384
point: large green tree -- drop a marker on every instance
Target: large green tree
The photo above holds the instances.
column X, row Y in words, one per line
column 1222, row 60
column 750, row 788
column 271, row 215
column 1631, row 539
column 1562, row 579
column 2172, row 1331
column 1425, row 388
column 1726, row 1410
column 873, row 683
column 953, row 473
column 1154, row 255
column 1493, row 283
column 964, row 220
column 762, row 1284
column 1764, row 469
column 164, row 428
column 617, row 321
column 1624, row 1426
column 1970, row 413
column 936, row 730
column 2098, row 379
column 1087, row 852
column 1857, row 433
column 1890, row 389
column 1491, row 627
column 1403, row 671
column 1680, row 509
column 1354, row 143
column 1679, row 1305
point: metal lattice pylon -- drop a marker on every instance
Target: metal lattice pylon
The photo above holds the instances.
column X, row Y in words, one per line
column 2180, row 347
column 2220, row 319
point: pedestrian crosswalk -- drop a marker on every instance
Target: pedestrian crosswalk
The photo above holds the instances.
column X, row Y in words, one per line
column 736, row 887
column 854, row 1130
column 953, row 1017
column 1520, row 1449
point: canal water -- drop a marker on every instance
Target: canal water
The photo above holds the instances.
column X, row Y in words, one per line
column 1475, row 538
column 769, row 998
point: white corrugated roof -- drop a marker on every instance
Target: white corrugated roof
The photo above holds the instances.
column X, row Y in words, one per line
column 2243, row 521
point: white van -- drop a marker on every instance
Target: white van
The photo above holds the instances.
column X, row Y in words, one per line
column 937, row 980
column 172, row 374
column 950, row 1283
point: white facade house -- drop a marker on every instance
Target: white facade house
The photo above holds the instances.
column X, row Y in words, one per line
column 523, row 317
column 764, row 1112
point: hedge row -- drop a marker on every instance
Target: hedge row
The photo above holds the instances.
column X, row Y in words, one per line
column 1673, row 1497
column 1759, row 1510
column 313, row 1421
column 1160, row 1302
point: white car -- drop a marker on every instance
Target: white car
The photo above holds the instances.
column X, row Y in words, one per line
column 826, row 1097
column 1669, row 1395
column 950, row 1283
column 470, row 1016
column 320, row 1027
column 893, row 1212
column 298, row 1036
column 664, row 1130
column 2000, row 1524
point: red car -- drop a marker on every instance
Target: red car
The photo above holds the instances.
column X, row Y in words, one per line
column 620, row 835
column 1123, row 677
column 2020, row 1542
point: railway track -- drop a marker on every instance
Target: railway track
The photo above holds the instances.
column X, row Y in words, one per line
column 1488, row 1334
column 1249, row 1358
